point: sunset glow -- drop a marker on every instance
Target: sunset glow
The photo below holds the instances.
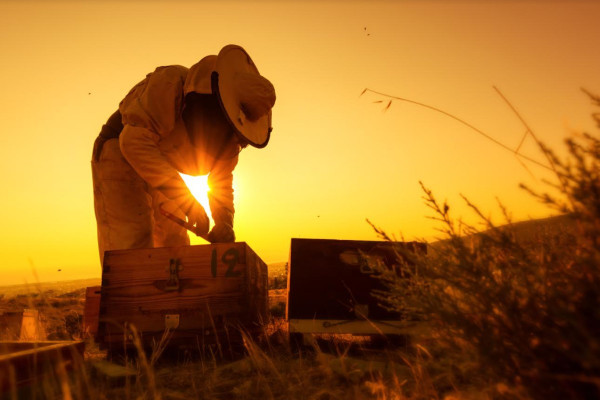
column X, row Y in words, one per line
column 335, row 158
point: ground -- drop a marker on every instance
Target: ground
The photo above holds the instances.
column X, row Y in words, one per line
column 264, row 367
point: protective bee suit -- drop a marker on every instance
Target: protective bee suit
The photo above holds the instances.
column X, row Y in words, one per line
column 194, row 121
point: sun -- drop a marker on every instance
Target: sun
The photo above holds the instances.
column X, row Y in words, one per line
column 198, row 185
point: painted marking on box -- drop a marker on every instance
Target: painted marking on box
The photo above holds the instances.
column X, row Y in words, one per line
column 173, row 270
column 230, row 258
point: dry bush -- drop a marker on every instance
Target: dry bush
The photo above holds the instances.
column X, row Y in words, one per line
column 526, row 313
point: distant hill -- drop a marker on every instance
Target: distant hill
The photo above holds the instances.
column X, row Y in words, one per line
column 57, row 288
column 530, row 231
column 277, row 272
column 278, row 268
column 527, row 231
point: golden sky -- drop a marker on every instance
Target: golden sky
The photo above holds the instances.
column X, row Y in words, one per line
column 335, row 158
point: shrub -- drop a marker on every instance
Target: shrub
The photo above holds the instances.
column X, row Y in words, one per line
column 527, row 311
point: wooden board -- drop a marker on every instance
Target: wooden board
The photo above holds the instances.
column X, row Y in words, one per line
column 25, row 325
column 91, row 310
column 10, row 324
column 22, row 363
column 331, row 285
column 198, row 293
column 32, row 328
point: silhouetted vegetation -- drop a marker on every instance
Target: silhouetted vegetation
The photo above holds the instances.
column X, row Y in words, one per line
column 524, row 315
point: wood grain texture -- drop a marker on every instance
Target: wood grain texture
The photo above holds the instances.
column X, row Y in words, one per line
column 335, row 279
column 216, row 288
column 91, row 310
column 28, row 362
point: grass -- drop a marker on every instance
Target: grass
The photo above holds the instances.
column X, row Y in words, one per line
column 330, row 367
column 523, row 315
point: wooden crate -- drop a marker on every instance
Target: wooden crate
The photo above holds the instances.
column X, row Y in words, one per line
column 198, row 294
column 91, row 311
column 25, row 325
column 10, row 324
column 25, row 363
column 32, row 327
column 331, row 285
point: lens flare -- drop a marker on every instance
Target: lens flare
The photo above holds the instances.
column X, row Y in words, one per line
column 198, row 186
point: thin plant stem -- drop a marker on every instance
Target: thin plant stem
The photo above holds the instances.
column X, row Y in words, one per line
column 462, row 121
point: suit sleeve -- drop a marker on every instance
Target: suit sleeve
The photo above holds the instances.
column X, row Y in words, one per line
column 140, row 148
column 220, row 197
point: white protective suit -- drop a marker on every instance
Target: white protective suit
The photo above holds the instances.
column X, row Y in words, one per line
column 144, row 145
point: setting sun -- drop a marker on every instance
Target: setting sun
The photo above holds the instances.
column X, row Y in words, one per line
column 198, row 185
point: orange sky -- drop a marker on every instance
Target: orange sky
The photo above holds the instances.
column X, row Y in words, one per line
column 334, row 158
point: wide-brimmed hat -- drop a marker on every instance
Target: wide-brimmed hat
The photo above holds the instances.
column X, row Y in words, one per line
column 246, row 97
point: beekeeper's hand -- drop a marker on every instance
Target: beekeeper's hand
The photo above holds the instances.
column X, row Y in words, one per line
column 221, row 233
column 196, row 216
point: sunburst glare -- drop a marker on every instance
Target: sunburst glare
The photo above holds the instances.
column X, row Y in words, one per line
column 198, row 185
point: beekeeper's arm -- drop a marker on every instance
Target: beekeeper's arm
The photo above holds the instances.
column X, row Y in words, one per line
column 220, row 200
column 140, row 148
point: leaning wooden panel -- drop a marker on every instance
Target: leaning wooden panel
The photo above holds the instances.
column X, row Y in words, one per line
column 199, row 293
column 25, row 363
column 331, row 286
column 91, row 311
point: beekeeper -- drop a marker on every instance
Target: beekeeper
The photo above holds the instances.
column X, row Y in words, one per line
column 194, row 121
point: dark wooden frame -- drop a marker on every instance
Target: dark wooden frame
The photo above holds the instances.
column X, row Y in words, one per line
column 24, row 363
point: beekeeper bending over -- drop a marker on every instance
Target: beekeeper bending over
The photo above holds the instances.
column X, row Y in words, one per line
column 194, row 121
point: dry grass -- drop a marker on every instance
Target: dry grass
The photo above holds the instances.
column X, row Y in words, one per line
column 330, row 367
column 523, row 315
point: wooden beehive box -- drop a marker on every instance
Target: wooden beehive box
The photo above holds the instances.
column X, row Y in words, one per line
column 25, row 363
column 10, row 324
column 198, row 294
column 91, row 310
column 331, row 286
